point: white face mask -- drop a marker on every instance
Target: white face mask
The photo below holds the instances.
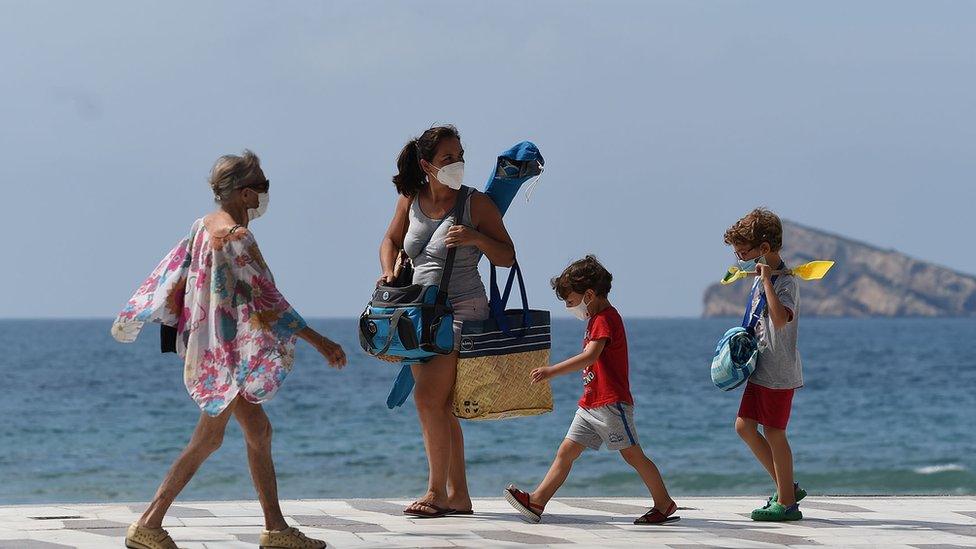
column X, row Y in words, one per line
column 579, row 311
column 254, row 213
column 451, row 175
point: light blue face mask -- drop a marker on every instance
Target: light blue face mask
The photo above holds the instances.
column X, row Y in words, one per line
column 750, row 265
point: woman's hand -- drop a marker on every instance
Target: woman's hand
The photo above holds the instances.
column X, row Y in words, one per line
column 459, row 235
column 541, row 374
column 331, row 350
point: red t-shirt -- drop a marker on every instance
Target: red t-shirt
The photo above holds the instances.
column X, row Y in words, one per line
column 607, row 381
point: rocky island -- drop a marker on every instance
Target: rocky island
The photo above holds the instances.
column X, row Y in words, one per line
column 865, row 281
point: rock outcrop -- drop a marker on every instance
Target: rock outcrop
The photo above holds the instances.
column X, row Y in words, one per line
column 865, row 281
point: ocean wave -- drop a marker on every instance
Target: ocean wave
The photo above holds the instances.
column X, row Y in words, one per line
column 933, row 469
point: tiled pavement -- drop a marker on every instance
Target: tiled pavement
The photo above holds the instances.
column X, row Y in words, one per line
column 888, row 522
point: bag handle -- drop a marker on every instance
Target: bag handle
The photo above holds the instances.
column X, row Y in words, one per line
column 452, row 252
column 499, row 301
column 394, row 322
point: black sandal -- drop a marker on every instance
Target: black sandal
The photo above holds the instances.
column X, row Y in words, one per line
column 414, row 511
column 656, row 517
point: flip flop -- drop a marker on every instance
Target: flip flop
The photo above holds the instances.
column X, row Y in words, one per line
column 654, row 517
column 438, row 511
column 798, row 493
column 456, row 512
column 777, row 512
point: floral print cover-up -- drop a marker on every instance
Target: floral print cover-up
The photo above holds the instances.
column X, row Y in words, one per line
column 235, row 331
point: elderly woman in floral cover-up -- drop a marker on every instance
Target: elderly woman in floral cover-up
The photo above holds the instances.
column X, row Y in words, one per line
column 236, row 334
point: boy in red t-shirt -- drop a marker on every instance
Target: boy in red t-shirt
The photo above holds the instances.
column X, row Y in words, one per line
column 606, row 410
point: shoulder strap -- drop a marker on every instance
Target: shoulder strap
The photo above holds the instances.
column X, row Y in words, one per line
column 749, row 322
column 452, row 252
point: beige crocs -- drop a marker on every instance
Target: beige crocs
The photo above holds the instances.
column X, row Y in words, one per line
column 140, row 537
column 289, row 538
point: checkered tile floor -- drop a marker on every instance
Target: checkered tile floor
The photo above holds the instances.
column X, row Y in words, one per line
column 889, row 522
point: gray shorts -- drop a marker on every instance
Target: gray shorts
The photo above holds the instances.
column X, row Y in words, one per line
column 470, row 309
column 612, row 425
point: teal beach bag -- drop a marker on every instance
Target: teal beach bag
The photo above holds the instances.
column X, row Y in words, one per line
column 737, row 351
column 414, row 322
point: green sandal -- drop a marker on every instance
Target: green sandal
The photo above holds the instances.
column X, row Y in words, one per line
column 798, row 494
column 775, row 512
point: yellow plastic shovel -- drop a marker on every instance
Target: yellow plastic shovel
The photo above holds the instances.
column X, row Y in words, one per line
column 815, row 270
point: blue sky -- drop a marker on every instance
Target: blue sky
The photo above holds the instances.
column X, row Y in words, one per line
column 661, row 123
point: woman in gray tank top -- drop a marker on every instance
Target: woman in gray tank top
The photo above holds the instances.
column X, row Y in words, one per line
column 431, row 168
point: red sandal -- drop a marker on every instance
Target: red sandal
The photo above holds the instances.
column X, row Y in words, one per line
column 520, row 501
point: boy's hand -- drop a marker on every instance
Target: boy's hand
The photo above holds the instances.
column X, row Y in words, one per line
column 541, row 374
column 765, row 272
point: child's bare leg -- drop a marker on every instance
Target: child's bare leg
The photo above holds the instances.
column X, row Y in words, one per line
column 649, row 473
column 567, row 453
column 748, row 430
column 783, row 462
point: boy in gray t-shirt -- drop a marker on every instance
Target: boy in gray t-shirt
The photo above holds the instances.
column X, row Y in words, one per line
column 778, row 365
column 767, row 400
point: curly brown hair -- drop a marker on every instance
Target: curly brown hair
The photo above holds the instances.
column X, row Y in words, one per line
column 581, row 275
column 758, row 226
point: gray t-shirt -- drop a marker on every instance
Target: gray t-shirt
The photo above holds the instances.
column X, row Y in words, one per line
column 778, row 365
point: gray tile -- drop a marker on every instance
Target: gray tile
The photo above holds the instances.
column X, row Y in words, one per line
column 763, row 536
column 831, row 506
column 92, row 524
column 518, row 537
column 56, row 517
column 177, row 511
column 959, row 530
column 586, row 522
column 605, row 506
column 377, row 506
column 330, row 522
column 101, row 527
column 31, row 544
column 694, row 546
column 819, row 523
column 249, row 538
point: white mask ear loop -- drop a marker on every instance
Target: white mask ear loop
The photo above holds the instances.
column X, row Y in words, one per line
column 535, row 181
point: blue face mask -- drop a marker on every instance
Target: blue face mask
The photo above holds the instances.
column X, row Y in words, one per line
column 750, row 265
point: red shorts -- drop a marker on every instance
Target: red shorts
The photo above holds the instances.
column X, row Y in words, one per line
column 768, row 407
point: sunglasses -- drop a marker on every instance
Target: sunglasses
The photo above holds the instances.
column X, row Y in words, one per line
column 261, row 187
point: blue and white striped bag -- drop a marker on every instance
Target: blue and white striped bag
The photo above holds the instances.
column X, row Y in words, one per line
column 737, row 351
column 497, row 355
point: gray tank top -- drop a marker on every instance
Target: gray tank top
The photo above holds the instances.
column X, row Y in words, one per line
column 428, row 261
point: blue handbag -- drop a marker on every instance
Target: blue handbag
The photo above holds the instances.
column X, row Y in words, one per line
column 736, row 353
column 414, row 322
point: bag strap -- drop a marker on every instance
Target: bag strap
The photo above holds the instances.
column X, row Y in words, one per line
column 394, row 321
column 749, row 322
column 452, row 252
column 499, row 301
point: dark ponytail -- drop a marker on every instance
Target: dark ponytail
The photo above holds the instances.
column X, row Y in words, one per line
column 410, row 176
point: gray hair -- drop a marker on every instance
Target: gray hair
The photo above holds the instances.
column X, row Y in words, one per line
column 231, row 172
